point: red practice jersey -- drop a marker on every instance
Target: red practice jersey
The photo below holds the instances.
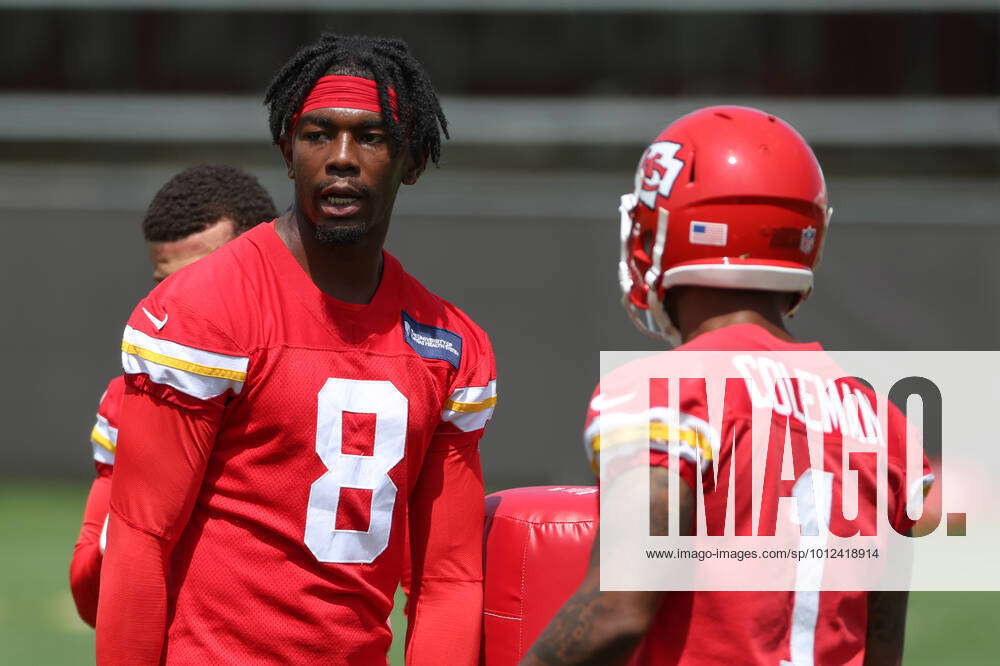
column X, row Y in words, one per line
column 327, row 423
column 758, row 627
column 85, row 568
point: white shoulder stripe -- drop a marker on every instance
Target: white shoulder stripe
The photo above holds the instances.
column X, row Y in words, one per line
column 470, row 407
column 614, row 420
column 102, row 455
column 104, row 439
column 198, row 373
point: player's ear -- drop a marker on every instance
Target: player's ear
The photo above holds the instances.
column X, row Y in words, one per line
column 285, row 146
column 415, row 165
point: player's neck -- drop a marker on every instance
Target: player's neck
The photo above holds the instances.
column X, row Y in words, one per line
column 698, row 311
column 349, row 272
column 776, row 329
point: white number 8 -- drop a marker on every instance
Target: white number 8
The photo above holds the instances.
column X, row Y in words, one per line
column 345, row 470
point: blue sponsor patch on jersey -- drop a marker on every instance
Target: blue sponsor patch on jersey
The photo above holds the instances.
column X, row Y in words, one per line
column 432, row 342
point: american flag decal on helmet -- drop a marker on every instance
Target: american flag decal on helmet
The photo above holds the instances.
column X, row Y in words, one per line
column 708, row 233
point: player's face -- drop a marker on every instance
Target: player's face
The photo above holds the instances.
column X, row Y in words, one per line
column 169, row 257
column 346, row 177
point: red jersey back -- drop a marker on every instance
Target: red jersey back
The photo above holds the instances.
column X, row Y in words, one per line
column 325, row 411
column 769, row 628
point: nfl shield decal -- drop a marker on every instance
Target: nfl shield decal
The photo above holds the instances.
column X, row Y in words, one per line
column 808, row 240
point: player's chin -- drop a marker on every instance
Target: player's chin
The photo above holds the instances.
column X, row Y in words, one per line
column 340, row 231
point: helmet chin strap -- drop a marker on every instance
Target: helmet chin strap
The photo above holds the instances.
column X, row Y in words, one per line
column 656, row 307
column 654, row 321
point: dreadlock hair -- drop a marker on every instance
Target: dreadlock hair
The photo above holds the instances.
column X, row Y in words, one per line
column 197, row 197
column 387, row 61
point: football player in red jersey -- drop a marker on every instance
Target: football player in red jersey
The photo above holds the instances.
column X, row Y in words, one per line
column 293, row 398
column 192, row 215
column 715, row 258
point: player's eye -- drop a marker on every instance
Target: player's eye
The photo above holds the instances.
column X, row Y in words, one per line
column 372, row 137
column 314, row 137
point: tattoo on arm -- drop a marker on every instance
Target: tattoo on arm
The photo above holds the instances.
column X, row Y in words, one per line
column 659, row 488
column 567, row 639
column 604, row 628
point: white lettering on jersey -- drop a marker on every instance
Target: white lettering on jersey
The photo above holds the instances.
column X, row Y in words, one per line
column 822, row 405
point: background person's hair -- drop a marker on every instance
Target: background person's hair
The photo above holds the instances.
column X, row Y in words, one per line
column 197, row 197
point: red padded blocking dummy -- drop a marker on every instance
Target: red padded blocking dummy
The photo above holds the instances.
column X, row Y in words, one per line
column 537, row 546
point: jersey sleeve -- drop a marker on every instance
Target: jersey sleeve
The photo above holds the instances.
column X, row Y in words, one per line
column 164, row 453
column 620, row 420
column 472, row 397
column 446, row 522
column 104, row 434
column 182, row 365
column 85, row 566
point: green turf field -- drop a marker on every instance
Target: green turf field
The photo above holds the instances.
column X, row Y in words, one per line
column 38, row 623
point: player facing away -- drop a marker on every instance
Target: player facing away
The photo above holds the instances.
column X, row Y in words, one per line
column 291, row 399
column 719, row 242
column 191, row 216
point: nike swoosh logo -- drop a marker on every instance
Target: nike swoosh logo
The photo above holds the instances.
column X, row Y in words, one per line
column 158, row 323
column 600, row 402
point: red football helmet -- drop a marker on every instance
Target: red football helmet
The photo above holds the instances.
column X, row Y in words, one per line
column 728, row 197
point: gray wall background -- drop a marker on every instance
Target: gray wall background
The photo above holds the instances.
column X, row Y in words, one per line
column 519, row 226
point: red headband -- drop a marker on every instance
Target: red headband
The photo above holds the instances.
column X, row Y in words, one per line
column 344, row 92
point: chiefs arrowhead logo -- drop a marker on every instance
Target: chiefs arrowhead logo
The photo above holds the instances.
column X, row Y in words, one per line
column 658, row 169
column 652, row 170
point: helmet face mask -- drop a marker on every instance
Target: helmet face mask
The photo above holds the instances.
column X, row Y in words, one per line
column 648, row 315
column 753, row 216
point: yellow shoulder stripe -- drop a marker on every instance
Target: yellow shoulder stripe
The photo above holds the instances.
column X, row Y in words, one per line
column 657, row 432
column 470, row 406
column 186, row 366
column 99, row 438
